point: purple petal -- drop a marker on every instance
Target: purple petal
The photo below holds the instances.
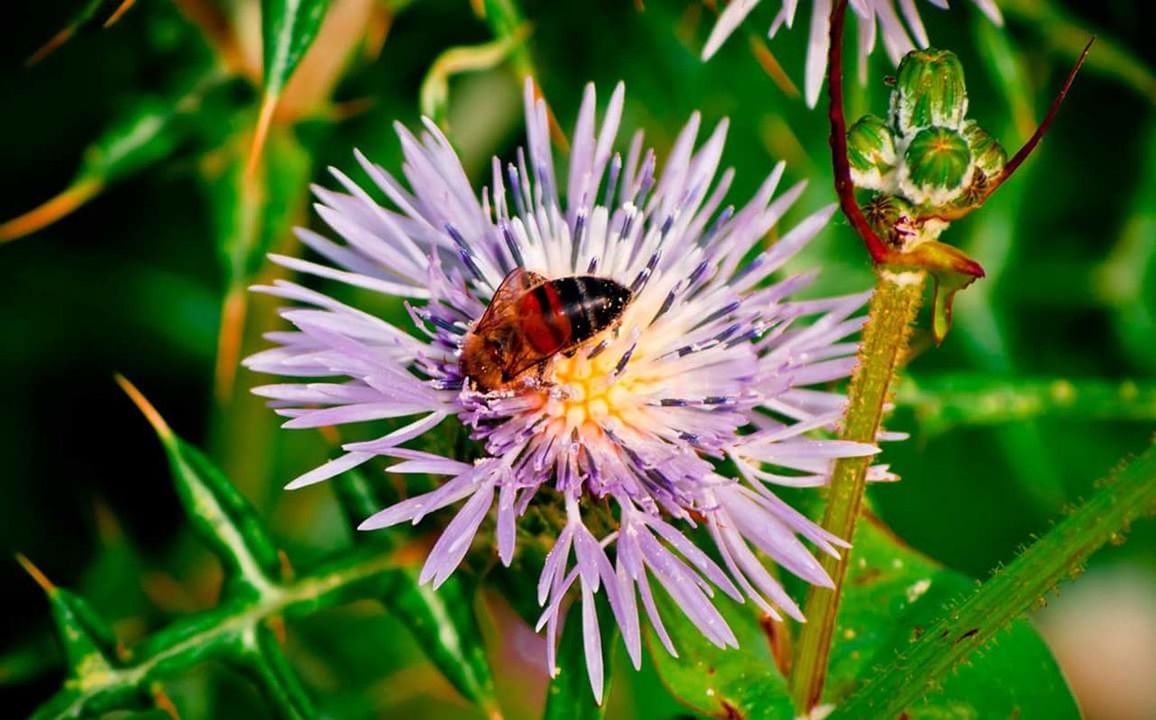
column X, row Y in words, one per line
column 628, row 623
column 652, row 613
column 592, row 641
column 330, row 469
column 455, row 540
column 696, row 556
column 817, row 46
column 727, row 23
column 415, row 508
column 506, row 520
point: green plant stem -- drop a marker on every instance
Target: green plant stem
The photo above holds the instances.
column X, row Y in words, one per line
column 1023, row 584
column 892, row 310
column 221, row 630
column 944, row 402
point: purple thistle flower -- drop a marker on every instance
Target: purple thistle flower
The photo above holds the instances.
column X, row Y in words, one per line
column 710, row 361
column 901, row 31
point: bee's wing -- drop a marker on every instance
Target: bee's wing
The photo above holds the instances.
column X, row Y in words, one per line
column 513, row 285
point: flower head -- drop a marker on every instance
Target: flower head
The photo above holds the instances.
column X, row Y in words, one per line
column 622, row 436
column 901, row 31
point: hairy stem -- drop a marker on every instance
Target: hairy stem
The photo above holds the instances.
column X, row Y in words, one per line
column 892, row 310
column 1130, row 494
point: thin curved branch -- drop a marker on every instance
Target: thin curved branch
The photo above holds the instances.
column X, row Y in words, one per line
column 1027, row 149
column 844, row 188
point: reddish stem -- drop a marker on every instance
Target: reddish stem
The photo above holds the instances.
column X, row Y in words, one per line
column 1030, row 145
column 844, row 188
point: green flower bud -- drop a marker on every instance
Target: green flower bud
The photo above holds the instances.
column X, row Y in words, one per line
column 871, row 152
column 989, row 155
column 892, row 218
column 937, row 167
column 929, row 90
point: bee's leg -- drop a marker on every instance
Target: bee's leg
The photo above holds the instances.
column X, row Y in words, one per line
column 540, row 374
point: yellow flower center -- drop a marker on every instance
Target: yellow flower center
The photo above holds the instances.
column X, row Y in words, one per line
column 584, row 391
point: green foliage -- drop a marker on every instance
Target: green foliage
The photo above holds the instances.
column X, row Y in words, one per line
column 288, row 28
column 259, row 592
column 732, row 682
column 942, row 403
column 1128, row 495
column 893, row 597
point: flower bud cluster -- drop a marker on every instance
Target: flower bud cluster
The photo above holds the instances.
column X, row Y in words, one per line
column 926, row 156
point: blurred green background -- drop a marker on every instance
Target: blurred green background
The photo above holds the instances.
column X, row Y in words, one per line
column 1047, row 379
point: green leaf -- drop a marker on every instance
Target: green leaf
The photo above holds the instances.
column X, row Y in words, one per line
column 1126, row 277
column 252, row 214
column 216, row 510
column 288, row 28
column 237, row 630
column 92, row 655
column 892, row 596
column 1005, row 66
column 266, row 663
column 741, row 682
column 442, row 621
column 224, row 518
column 149, row 129
column 359, row 499
column 916, row 657
column 952, row 270
column 87, row 640
column 569, row 697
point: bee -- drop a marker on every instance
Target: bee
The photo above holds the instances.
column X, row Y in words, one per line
column 531, row 319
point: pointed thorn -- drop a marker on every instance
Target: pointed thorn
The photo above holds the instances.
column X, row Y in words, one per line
column 286, row 566
column 51, row 211
column 120, row 11
column 49, row 47
column 772, row 67
column 163, row 702
column 233, row 312
column 36, row 574
column 557, row 134
column 377, row 31
column 276, row 625
column 342, row 111
column 108, row 527
column 146, row 408
column 260, row 133
column 1029, row 146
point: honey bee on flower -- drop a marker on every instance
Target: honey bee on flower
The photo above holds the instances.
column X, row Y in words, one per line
column 609, row 334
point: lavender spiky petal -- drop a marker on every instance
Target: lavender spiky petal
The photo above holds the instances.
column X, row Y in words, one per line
column 901, row 31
